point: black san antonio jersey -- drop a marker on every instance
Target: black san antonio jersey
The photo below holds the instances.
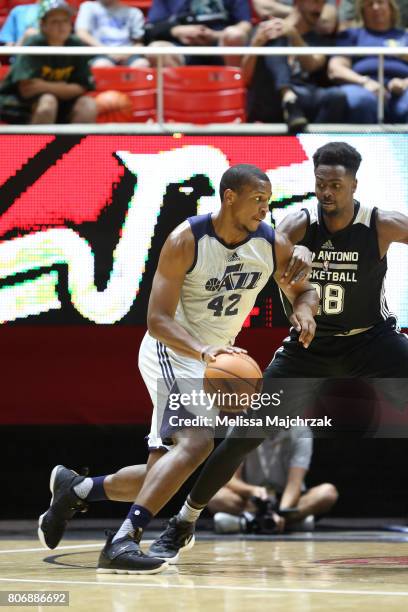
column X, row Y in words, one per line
column 348, row 273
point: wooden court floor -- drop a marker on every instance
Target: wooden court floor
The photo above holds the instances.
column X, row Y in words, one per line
column 221, row 575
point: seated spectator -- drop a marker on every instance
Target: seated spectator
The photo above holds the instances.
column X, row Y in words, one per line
column 359, row 75
column 348, row 13
column 49, row 88
column 294, row 89
column 114, row 24
column 199, row 22
column 276, row 470
column 327, row 23
column 21, row 23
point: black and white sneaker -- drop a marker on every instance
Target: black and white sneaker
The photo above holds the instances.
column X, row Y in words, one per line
column 178, row 536
column 294, row 117
column 125, row 557
column 64, row 504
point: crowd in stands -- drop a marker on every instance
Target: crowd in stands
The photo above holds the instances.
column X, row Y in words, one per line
column 295, row 89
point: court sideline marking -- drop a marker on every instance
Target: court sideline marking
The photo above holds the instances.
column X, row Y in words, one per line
column 205, row 587
column 97, row 545
column 181, row 586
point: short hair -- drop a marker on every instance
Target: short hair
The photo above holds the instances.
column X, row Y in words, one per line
column 239, row 175
column 338, row 154
column 395, row 12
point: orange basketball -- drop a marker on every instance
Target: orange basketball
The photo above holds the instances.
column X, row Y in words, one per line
column 114, row 106
column 235, row 378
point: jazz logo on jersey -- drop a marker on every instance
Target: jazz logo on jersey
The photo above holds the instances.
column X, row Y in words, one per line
column 234, row 278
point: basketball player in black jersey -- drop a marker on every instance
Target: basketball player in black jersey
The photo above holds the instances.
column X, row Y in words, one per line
column 356, row 335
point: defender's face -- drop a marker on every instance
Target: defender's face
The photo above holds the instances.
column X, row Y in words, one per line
column 334, row 188
column 249, row 205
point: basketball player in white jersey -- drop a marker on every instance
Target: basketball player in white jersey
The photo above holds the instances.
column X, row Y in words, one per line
column 210, row 271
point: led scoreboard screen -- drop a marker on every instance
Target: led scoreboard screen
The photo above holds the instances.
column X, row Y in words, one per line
column 83, row 218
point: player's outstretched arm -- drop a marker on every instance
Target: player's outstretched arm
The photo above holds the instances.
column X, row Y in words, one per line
column 176, row 258
column 392, row 226
column 302, row 296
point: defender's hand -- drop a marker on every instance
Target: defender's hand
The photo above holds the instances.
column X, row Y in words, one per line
column 299, row 267
column 304, row 323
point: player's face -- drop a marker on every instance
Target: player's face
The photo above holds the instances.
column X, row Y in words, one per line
column 250, row 205
column 334, row 188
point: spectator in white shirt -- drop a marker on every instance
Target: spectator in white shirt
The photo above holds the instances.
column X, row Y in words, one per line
column 111, row 23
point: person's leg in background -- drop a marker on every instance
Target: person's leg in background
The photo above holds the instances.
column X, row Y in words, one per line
column 315, row 502
column 232, row 36
column 362, row 104
column 84, row 110
column 226, row 500
column 45, row 109
column 275, row 73
column 398, row 108
column 322, row 104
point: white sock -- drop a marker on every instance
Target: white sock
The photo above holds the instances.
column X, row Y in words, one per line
column 124, row 529
column 83, row 488
column 189, row 514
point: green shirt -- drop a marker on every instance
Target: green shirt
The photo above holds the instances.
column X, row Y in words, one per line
column 68, row 68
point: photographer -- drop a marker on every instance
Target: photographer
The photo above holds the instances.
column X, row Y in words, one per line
column 271, row 482
column 178, row 23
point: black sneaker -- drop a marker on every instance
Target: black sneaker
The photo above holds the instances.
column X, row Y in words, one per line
column 64, row 504
column 178, row 536
column 294, row 117
column 125, row 557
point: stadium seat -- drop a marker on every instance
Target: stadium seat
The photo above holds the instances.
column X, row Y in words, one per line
column 139, row 85
column 143, row 5
column 4, row 11
column 12, row 3
column 3, row 72
column 124, row 78
column 204, row 94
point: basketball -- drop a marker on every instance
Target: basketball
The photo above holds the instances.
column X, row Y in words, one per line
column 236, row 378
column 114, row 106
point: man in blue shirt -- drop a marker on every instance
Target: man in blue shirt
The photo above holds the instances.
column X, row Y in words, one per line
column 358, row 75
column 199, row 22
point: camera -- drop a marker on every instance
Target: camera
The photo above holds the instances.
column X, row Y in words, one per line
column 260, row 521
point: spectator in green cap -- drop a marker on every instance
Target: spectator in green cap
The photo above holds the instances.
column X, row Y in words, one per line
column 49, row 88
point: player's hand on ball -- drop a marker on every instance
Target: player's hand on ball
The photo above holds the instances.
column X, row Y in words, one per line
column 304, row 323
column 209, row 353
column 299, row 267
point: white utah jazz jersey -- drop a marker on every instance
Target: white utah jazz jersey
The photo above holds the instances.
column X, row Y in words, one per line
column 220, row 289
